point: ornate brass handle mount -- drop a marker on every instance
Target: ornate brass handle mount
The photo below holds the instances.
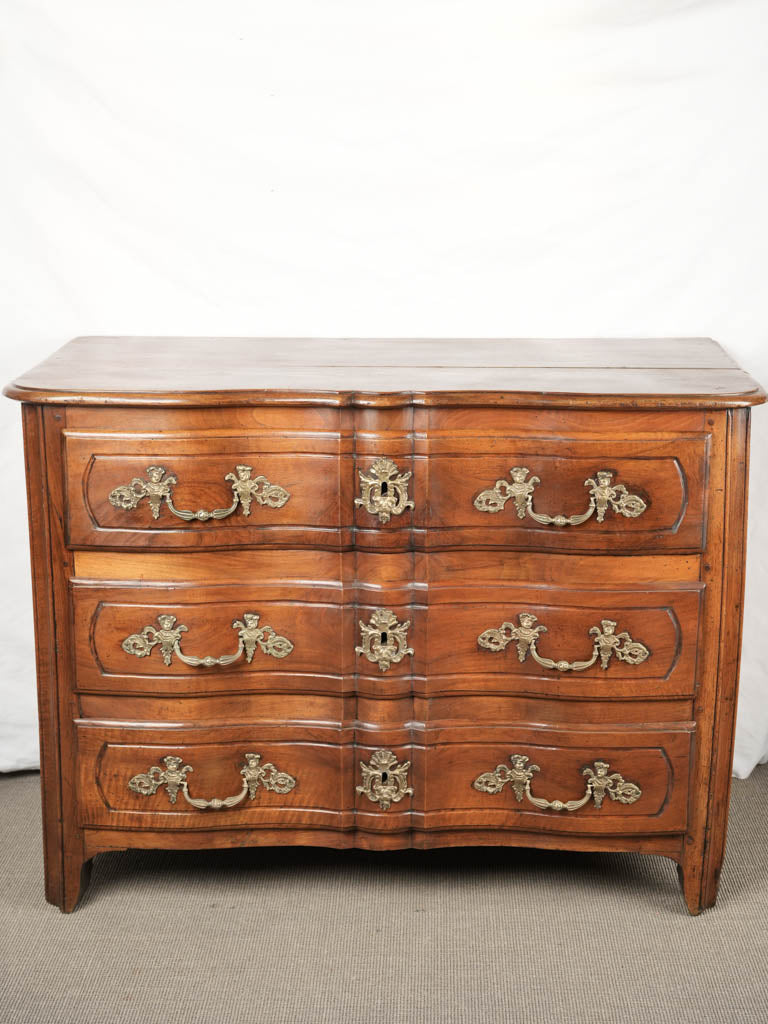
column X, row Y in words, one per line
column 159, row 488
column 519, row 776
column 168, row 637
column 603, row 495
column 174, row 777
column 606, row 642
column 384, row 640
column 385, row 781
column 384, row 490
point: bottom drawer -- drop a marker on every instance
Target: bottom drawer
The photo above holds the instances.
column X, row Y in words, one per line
column 240, row 776
column 538, row 779
column 628, row 781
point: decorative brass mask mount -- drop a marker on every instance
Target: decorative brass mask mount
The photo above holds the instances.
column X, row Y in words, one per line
column 385, row 781
column 173, row 777
column 603, row 495
column 384, row 490
column 159, row 488
column 168, row 637
column 605, row 644
column 384, row 640
column 519, row 776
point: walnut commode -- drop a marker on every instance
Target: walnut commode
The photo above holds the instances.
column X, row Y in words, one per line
column 352, row 577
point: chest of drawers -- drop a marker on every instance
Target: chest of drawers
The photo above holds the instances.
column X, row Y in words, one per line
column 386, row 594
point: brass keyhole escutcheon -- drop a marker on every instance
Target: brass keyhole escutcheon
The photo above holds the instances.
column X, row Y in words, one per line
column 384, row 640
column 385, row 779
column 384, row 490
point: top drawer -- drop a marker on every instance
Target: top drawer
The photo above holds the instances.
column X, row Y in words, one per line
column 624, row 485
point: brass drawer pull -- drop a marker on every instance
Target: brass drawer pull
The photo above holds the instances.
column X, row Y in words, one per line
column 384, row 490
column 173, row 777
column 158, row 490
column 385, row 782
column 250, row 636
column 603, row 495
column 606, row 643
column 519, row 776
column 384, row 640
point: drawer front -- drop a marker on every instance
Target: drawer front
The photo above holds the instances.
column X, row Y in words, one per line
column 598, row 644
column 194, row 640
column 186, row 640
column 623, row 781
column 239, row 776
column 206, row 491
column 609, row 495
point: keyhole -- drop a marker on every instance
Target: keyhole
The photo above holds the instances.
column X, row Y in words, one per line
column 384, row 487
column 384, row 639
column 384, row 776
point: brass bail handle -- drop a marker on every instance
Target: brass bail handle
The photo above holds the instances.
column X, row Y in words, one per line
column 158, row 488
column 606, row 643
column 251, row 637
column 173, row 775
column 604, row 496
column 518, row 777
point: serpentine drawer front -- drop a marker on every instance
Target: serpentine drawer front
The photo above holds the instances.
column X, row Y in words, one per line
column 280, row 600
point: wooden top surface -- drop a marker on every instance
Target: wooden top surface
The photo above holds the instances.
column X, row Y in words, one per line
column 573, row 373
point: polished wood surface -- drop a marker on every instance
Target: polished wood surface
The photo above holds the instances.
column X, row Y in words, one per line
column 608, row 373
column 660, row 458
column 668, row 419
column 446, row 622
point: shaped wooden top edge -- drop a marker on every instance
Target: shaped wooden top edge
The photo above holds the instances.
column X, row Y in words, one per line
column 565, row 373
column 393, row 399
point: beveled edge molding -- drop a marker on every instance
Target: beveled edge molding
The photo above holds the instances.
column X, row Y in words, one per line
column 605, row 644
column 250, row 636
column 603, row 495
column 173, row 777
column 599, row 783
column 385, row 781
column 159, row 488
column 384, row 640
column 384, row 490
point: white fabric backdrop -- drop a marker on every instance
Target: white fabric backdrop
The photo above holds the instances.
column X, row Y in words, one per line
column 414, row 167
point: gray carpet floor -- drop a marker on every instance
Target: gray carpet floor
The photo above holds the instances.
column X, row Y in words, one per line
column 458, row 936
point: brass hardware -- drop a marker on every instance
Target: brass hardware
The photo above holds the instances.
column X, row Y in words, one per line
column 158, row 490
column 384, row 639
column 384, row 490
column 603, row 495
column 173, row 777
column 385, row 782
column 606, row 643
column 519, row 776
column 250, row 636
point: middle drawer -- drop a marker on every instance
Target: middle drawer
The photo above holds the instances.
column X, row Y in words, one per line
column 189, row 640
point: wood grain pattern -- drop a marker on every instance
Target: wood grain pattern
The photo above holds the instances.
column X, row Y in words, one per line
column 656, row 760
column 668, row 418
column 530, row 372
column 444, row 630
column 109, row 758
column 658, row 460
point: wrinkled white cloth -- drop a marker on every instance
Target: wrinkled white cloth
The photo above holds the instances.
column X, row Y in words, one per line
column 412, row 168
